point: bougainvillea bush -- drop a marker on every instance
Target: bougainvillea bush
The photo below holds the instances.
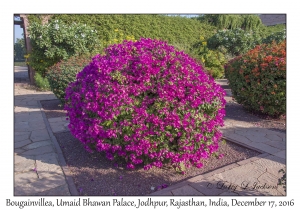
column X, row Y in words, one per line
column 258, row 78
column 146, row 103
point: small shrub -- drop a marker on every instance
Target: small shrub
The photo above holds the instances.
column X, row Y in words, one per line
column 212, row 60
column 64, row 72
column 258, row 78
column 277, row 37
column 147, row 103
column 234, row 42
column 41, row 82
column 282, row 180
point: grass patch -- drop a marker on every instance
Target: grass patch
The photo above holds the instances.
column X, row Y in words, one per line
column 20, row 64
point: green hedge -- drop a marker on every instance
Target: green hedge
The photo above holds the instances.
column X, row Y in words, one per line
column 176, row 30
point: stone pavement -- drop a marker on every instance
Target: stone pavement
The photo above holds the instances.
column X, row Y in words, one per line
column 40, row 168
column 38, row 160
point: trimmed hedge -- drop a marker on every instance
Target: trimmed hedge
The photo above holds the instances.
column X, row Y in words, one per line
column 258, row 78
column 175, row 30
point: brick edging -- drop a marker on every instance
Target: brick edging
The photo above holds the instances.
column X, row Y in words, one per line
column 61, row 159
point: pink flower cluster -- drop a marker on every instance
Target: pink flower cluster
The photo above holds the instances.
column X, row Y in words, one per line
column 148, row 103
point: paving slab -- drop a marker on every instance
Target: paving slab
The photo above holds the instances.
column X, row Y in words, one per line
column 37, row 123
column 26, row 177
column 18, row 151
column 39, row 150
column 265, row 147
column 162, row 193
column 39, row 185
column 47, row 162
column 21, row 109
column 186, row 190
column 25, row 165
column 281, row 154
column 274, row 137
column 62, row 190
column 239, row 138
column 21, row 158
column 267, row 184
column 210, row 186
column 271, row 164
column 39, row 135
column 21, row 137
column 277, row 144
column 20, row 144
column 257, row 138
column 19, row 133
column 55, row 119
column 57, row 128
column 37, row 144
column 229, row 194
column 242, row 175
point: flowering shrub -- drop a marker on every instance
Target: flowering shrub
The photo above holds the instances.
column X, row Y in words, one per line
column 56, row 41
column 212, row 60
column 258, row 78
column 64, row 72
column 147, row 103
column 234, row 42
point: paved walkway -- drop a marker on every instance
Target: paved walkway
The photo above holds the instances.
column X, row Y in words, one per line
column 40, row 168
column 37, row 163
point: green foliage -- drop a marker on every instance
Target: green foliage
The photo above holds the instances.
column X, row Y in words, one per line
column 277, row 37
column 212, row 60
column 174, row 29
column 56, row 41
column 19, row 50
column 64, row 72
column 268, row 30
column 234, row 42
column 258, row 78
column 223, row 21
column 19, row 64
column 41, row 82
column 282, row 180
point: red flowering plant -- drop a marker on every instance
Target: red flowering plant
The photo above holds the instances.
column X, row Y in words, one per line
column 62, row 73
column 147, row 103
column 258, row 78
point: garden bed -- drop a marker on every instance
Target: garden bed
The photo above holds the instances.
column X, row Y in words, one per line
column 93, row 174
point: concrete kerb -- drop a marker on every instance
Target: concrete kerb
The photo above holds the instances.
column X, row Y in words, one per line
column 242, row 144
column 61, row 159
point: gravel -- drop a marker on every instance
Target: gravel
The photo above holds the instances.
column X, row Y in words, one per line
column 94, row 174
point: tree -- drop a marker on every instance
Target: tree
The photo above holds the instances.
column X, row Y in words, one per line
column 224, row 21
column 19, row 50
